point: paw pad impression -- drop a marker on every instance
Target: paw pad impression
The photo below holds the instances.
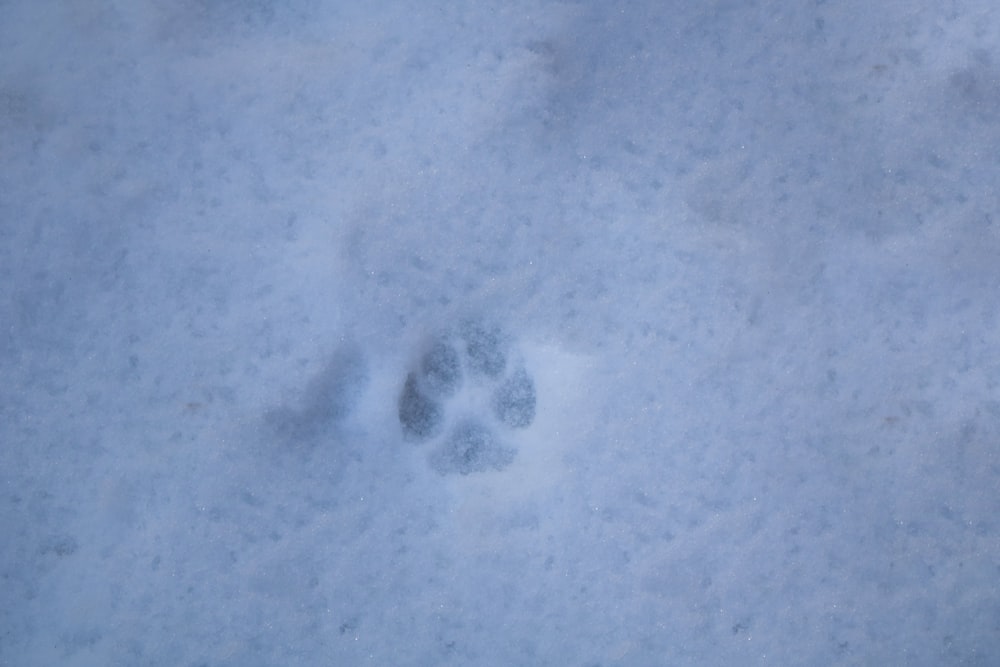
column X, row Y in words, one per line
column 471, row 374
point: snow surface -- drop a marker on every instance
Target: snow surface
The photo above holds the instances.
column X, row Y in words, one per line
column 746, row 252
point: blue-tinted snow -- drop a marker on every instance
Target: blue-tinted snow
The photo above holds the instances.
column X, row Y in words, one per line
column 745, row 252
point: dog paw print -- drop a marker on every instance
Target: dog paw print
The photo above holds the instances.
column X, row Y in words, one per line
column 467, row 391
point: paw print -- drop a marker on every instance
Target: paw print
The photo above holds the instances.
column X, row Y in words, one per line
column 466, row 390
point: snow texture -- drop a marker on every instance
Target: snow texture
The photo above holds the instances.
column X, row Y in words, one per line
column 499, row 333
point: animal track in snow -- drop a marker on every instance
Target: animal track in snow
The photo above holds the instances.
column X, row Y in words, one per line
column 467, row 390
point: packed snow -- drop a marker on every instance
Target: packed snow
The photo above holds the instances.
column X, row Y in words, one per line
column 499, row 333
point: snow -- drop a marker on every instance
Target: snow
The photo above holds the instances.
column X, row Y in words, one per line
column 745, row 252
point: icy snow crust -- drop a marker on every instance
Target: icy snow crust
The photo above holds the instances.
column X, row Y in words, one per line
column 699, row 302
